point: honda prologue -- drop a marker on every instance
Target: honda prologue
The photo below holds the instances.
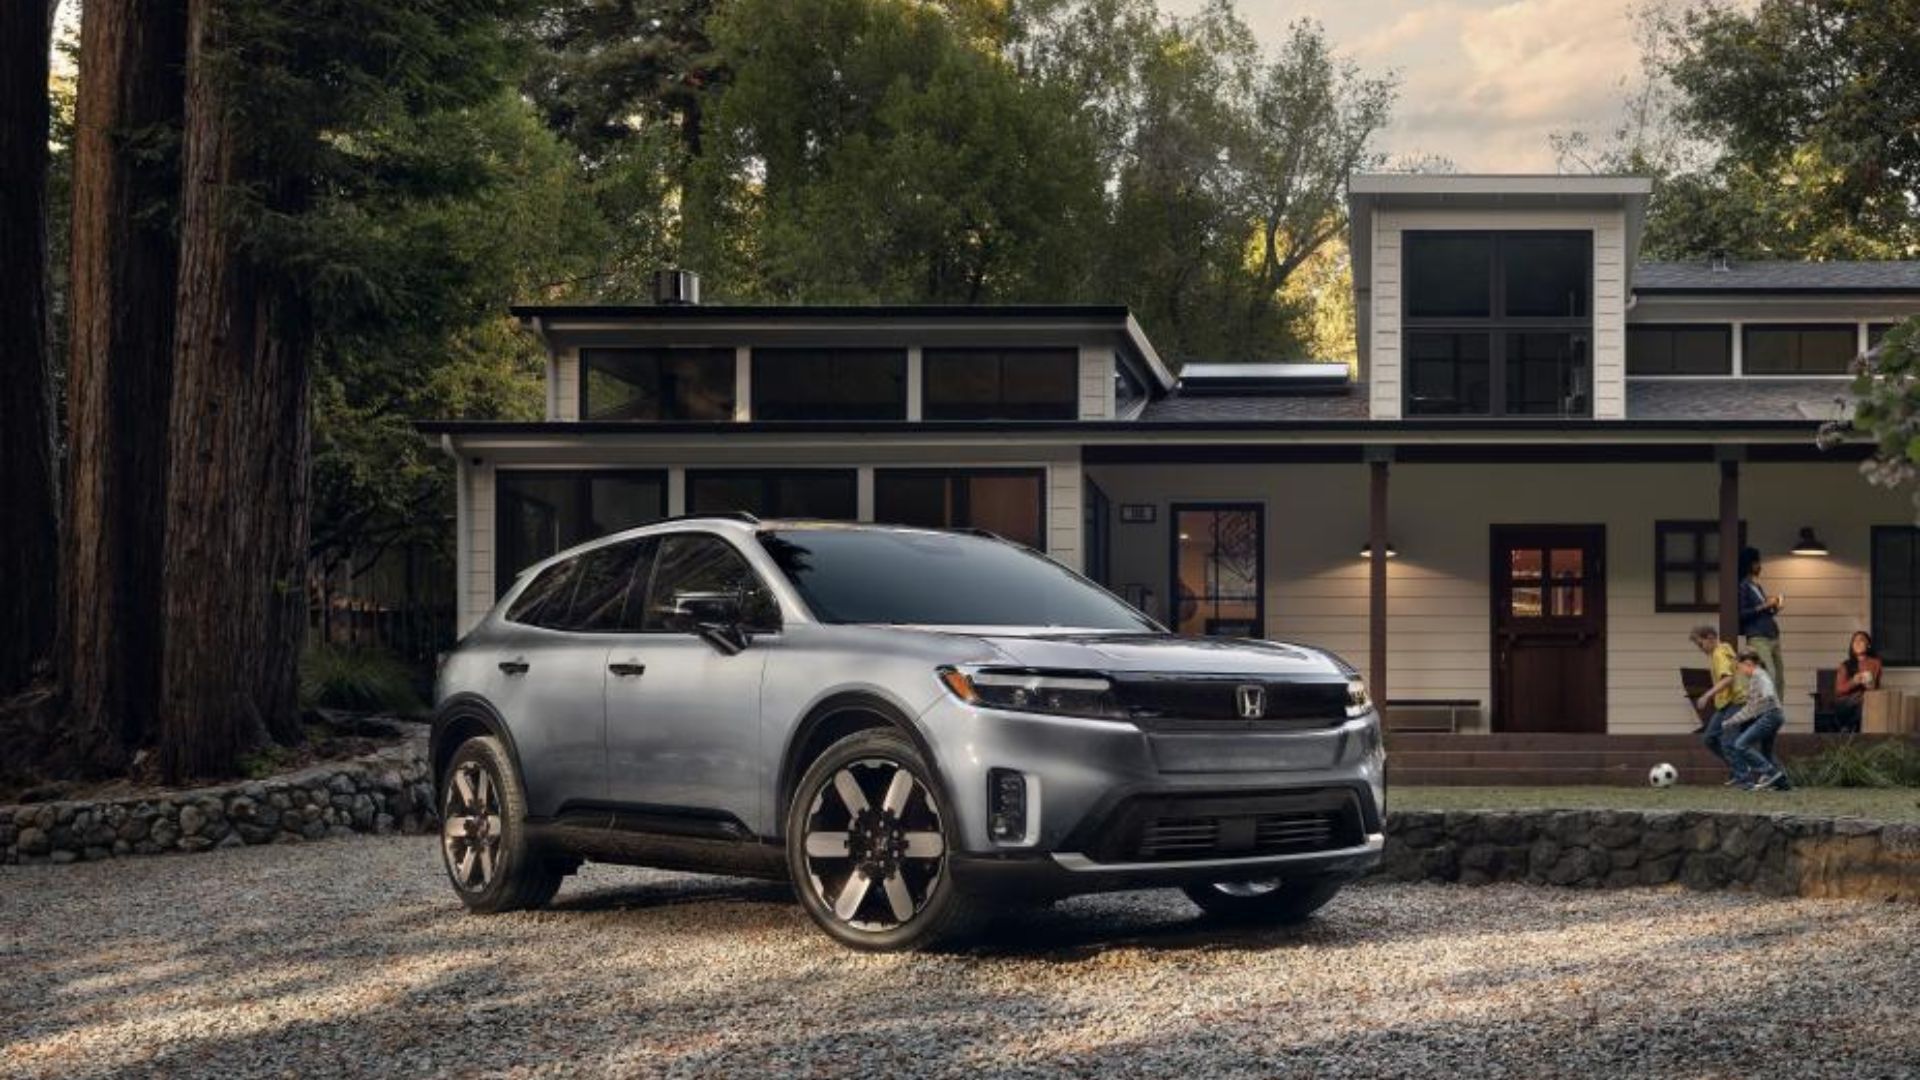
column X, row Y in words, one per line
column 908, row 724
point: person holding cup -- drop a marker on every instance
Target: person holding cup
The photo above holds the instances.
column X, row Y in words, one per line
column 1852, row 679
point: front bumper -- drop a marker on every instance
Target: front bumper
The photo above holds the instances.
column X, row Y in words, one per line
column 1066, row 874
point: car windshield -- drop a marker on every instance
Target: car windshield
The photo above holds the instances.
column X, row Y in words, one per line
column 939, row 579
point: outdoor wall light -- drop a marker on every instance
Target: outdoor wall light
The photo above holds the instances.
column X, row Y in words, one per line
column 1809, row 544
column 1366, row 550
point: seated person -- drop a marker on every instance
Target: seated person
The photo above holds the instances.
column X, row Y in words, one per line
column 1852, row 679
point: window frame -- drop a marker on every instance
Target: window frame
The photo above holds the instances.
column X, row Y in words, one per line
column 769, row 478
column 583, row 363
column 1036, row 473
column 582, row 485
column 1876, row 616
column 1747, row 329
column 1699, row 527
column 1497, row 325
column 1724, row 328
column 931, row 356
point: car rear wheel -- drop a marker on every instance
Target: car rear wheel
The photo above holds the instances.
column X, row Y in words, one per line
column 483, row 839
column 1268, row 900
column 868, row 843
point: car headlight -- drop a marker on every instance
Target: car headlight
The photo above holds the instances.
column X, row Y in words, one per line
column 1057, row 693
column 1358, row 700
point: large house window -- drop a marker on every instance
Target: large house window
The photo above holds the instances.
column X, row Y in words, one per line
column 1006, row 502
column 1680, row 350
column 1498, row 323
column 1000, row 384
column 829, row 494
column 541, row 511
column 1798, row 350
column 656, row 384
column 1896, row 593
column 1877, row 332
column 1686, row 573
column 829, row 384
column 1218, row 569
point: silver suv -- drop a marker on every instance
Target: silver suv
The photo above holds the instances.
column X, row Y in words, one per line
column 908, row 724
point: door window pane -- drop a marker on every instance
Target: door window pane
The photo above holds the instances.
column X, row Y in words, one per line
column 1218, row 571
column 541, row 511
column 1007, row 503
column 1798, row 350
column 1449, row 275
column 1001, row 384
column 656, row 384
column 1547, row 374
column 701, row 564
column 1447, row 374
column 1546, row 274
column 829, row 384
column 826, row 494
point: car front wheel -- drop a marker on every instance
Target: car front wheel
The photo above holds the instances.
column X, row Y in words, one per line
column 868, row 843
column 1268, row 900
column 483, row 839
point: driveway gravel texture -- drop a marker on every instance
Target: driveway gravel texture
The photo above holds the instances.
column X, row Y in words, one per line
column 351, row 957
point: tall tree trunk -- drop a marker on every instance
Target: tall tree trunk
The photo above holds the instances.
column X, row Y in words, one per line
column 126, row 122
column 29, row 541
column 234, row 603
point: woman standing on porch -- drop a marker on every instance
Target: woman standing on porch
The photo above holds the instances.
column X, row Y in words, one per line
column 1757, row 610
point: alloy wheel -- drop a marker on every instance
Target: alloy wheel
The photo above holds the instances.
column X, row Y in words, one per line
column 874, row 849
column 471, row 824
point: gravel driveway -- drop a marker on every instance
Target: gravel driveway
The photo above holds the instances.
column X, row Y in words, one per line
column 352, row 957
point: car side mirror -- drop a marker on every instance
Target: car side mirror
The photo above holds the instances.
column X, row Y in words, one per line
column 714, row 617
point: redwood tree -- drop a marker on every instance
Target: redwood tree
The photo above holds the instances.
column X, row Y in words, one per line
column 126, row 126
column 28, row 524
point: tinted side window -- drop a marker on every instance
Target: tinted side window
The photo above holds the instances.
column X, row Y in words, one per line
column 547, row 598
column 704, row 563
column 602, row 583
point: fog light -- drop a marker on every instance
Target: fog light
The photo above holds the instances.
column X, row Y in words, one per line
column 1006, row 806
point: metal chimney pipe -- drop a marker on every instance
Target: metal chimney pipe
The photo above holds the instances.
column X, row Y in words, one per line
column 677, row 288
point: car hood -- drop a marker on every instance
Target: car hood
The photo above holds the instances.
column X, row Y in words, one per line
column 1157, row 653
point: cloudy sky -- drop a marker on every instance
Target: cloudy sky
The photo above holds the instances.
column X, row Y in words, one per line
column 1482, row 82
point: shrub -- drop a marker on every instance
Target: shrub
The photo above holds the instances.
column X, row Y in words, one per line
column 356, row 680
column 1856, row 763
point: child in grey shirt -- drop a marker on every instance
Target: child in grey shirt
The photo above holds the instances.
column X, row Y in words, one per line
column 1757, row 722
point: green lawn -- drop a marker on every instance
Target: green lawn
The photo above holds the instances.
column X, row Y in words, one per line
column 1880, row 804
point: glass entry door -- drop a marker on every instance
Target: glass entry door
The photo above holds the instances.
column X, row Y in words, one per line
column 1218, row 569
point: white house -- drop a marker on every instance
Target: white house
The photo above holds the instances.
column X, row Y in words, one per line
column 1547, row 433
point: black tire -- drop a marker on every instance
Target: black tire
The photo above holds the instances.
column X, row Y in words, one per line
column 1279, row 903
column 492, row 868
column 882, row 846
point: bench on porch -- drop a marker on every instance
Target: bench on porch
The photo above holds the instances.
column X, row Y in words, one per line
column 1429, row 714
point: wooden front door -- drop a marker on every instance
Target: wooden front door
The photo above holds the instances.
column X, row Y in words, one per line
column 1549, row 591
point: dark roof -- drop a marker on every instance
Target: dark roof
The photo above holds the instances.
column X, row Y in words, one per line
column 1778, row 276
column 1257, row 408
column 1736, row 399
column 823, row 311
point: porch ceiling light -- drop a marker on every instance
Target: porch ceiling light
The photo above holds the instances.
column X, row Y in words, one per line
column 1809, row 544
column 1366, row 550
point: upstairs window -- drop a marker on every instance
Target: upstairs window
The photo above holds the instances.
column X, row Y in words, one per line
column 1815, row 349
column 829, row 384
column 1679, row 350
column 656, row 384
column 1001, row 384
column 1498, row 323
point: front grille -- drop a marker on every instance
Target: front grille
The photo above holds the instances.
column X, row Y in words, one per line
column 1170, row 828
column 1183, row 703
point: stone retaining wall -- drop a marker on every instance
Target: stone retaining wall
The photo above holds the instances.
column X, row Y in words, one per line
column 384, row 792
column 1776, row 854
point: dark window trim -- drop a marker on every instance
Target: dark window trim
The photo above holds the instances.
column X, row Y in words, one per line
column 583, row 368
column 962, row 496
column 1875, row 617
column 1497, row 325
column 1259, row 557
column 1725, row 328
column 503, row 577
column 1747, row 328
column 929, row 409
column 1661, row 567
column 771, row 354
column 770, row 477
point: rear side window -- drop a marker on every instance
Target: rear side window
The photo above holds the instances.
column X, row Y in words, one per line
column 547, row 597
column 602, row 584
column 692, row 563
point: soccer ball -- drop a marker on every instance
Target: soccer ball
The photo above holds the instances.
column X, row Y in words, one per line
column 1663, row 775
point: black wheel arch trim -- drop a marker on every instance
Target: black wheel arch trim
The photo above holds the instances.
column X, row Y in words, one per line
column 896, row 718
column 467, row 707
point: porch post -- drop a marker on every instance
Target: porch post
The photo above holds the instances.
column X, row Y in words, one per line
column 1729, row 546
column 1377, row 464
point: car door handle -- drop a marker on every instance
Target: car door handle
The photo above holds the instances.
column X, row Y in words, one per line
column 626, row 669
column 514, row 667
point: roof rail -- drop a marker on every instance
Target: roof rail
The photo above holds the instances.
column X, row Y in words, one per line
column 718, row 515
